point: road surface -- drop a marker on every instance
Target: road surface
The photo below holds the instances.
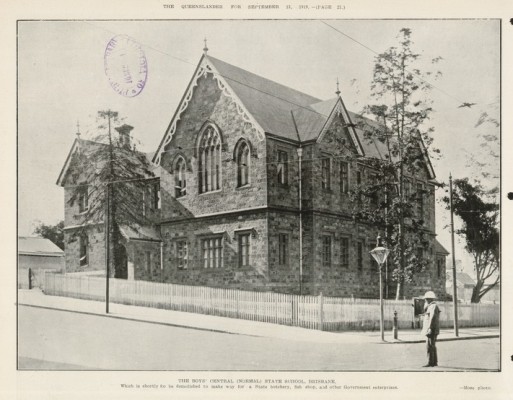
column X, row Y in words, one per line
column 62, row 340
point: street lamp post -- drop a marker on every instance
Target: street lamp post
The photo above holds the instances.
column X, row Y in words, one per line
column 380, row 254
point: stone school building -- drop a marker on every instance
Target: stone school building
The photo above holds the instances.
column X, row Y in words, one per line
column 254, row 192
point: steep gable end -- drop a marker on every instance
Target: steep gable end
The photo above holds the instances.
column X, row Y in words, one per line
column 206, row 67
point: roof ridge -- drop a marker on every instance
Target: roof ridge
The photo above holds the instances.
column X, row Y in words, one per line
column 315, row 99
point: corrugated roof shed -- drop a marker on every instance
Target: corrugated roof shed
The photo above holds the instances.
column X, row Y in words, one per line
column 38, row 246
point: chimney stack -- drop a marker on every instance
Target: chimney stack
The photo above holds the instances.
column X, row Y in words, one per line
column 124, row 135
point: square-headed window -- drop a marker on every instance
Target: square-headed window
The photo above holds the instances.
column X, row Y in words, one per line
column 326, row 250
column 84, row 250
column 181, row 254
column 359, row 254
column 212, row 252
column 344, row 176
column 83, row 198
column 326, row 173
column 344, row 252
column 244, row 240
column 283, row 249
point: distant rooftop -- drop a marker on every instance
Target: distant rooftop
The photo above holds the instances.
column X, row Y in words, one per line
column 35, row 246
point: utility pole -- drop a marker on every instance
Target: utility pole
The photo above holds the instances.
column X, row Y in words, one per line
column 300, row 199
column 109, row 115
column 107, row 249
column 454, row 286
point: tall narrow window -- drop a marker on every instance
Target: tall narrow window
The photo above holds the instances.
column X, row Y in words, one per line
column 344, row 252
column 373, row 189
column 180, row 180
column 243, row 159
column 244, row 249
column 209, row 161
column 326, row 250
column 212, row 252
column 181, row 256
column 359, row 255
column 283, row 249
column 420, row 253
column 372, row 262
column 283, row 167
column 407, row 189
column 84, row 250
column 440, row 267
column 344, row 176
column 359, row 186
column 420, row 200
column 148, row 262
column 156, row 196
column 83, row 199
column 326, row 173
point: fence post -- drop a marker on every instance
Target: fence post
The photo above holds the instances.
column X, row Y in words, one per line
column 395, row 327
column 294, row 308
column 321, row 312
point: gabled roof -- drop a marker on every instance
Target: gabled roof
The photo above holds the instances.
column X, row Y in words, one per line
column 279, row 110
column 439, row 249
column 270, row 103
column 38, row 246
column 89, row 145
column 464, row 278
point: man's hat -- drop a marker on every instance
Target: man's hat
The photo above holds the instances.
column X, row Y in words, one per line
column 430, row 295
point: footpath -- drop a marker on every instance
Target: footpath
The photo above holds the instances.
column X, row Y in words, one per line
column 36, row 298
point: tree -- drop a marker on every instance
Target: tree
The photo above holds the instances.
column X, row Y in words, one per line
column 480, row 218
column 114, row 178
column 401, row 107
column 55, row 233
column 475, row 201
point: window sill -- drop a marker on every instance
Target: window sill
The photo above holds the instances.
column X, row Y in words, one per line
column 248, row 186
column 210, row 192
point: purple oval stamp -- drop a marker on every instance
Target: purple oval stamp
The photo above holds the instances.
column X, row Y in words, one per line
column 125, row 66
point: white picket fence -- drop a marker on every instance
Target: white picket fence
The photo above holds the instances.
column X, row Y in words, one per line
column 314, row 312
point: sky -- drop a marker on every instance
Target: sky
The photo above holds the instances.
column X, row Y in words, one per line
column 61, row 80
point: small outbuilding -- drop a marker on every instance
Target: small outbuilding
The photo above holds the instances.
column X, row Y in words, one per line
column 39, row 253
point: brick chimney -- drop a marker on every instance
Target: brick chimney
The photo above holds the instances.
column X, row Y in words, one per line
column 124, row 135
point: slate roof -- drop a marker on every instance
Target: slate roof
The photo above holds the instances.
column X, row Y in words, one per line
column 289, row 113
column 38, row 246
column 270, row 103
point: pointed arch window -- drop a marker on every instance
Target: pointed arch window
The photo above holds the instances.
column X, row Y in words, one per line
column 243, row 164
column 180, row 179
column 209, row 160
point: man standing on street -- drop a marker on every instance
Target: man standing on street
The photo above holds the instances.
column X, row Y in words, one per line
column 431, row 327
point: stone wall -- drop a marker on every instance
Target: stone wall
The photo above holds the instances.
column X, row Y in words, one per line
column 209, row 105
column 96, row 255
column 228, row 227
column 145, row 256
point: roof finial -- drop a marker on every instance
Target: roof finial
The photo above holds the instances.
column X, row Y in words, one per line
column 78, row 129
column 205, row 49
column 338, row 90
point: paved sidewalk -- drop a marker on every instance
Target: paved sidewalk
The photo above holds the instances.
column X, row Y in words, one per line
column 35, row 298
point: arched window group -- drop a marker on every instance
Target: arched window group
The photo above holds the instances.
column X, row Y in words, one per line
column 209, row 163
column 210, row 160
